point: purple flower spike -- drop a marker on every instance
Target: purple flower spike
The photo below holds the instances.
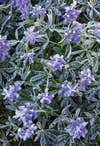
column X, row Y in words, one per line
column 23, row 6
column 11, row 93
column 73, row 34
column 67, row 89
column 77, row 128
column 71, row 13
column 38, row 11
column 26, row 132
column 30, row 36
column 26, row 113
column 56, row 62
column 4, row 48
column 28, row 57
column 85, row 78
column 45, row 98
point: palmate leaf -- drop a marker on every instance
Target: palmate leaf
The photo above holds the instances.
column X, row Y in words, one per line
column 38, row 79
column 60, row 122
column 47, row 137
column 3, row 140
column 63, row 139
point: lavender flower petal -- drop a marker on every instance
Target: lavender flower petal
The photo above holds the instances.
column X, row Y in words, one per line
column 77, row 128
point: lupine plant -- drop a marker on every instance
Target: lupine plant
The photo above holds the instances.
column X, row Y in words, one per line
column 49, row 73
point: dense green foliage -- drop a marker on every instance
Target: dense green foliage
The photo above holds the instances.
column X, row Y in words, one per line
column 37, row 77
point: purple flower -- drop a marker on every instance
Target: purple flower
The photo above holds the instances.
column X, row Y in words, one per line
column 30, row 36
column 45, row 98
column 26, row 113
column 56, row 62
column 97, row 6
column 61, row 16
column 38, row 10
column 1, row 1
column 23, row 6
column 73, row 34
column 71, row 13
column 67, row 89
column 26, row 132
column 77, row 128
column 28, row 57
column 4, row 48
column 85, row 78
column 11, row 93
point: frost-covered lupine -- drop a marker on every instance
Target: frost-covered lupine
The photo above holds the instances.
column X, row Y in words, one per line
column 4, row 48
column 24, row 7
column 85, row 78
column 30, row 36
column 77, row 128
column 56, row 62
column 57, row 21
column 26, row 113
column 67, row 89
column 26, row 132
column 73, row 34
column 71, row 13
column 45, row 98
column 38, row 11
column 11, row 93
column 28, row 57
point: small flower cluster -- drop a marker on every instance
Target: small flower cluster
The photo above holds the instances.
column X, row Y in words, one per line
column 45, row 98
column 73, row 34
column 66, row 89
column 85, row 78
column 11, row 93
column 70, row 13
column 28, row 57
column 23, row 6
column 26, row 132
column 26, row 114
column 4, row 48
column 30, row 36
column 38, row 11
column 77, row 128
column 56, row 62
